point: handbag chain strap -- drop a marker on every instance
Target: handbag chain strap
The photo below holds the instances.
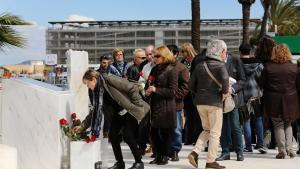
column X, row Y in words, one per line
column 211, row 75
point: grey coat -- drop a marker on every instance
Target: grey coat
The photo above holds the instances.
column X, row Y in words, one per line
column 125, row 94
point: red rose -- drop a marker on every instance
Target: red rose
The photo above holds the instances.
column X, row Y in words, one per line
column 93, row 138
column 150, row 77
column 73, row 115
column 63, row 122
column 140, row 73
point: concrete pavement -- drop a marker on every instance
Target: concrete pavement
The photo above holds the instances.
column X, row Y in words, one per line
column 253, row 160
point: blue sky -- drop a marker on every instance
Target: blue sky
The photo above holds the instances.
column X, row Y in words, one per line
column 41, row 11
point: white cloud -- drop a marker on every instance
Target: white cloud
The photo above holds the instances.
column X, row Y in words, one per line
column 80, row 18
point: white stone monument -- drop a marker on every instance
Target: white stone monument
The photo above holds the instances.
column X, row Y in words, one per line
column 77, row 64
column 8, row 157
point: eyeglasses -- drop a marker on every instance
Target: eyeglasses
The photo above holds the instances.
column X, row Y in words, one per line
column 157, row 56
column 142, row 58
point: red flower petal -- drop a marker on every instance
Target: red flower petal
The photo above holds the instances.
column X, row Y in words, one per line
column 73, row 115
column 93, row 138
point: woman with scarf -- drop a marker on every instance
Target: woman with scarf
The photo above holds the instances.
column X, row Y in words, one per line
column 115, row 98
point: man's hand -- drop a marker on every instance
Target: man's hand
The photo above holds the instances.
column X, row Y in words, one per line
column 77, row 129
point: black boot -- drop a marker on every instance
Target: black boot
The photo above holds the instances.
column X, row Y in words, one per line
column 137, row 165
column 223, row 157
column 174, row 156
column 118, row 165
column 156, row 159
column 163, row 161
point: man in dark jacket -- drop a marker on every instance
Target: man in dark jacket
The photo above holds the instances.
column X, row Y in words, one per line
column 182, row 90
column 231, row 121
column 207, row 96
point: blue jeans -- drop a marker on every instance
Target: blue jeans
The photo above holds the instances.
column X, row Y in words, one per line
column 259, row 132
column 176, row 143
column 231, row 124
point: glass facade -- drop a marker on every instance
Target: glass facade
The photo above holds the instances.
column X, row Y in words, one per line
column 100, row 38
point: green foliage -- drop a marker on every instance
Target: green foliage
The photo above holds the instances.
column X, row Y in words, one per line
column 8, row 36
column 285, row 15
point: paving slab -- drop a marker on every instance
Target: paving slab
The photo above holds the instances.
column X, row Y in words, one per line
column 253, row 160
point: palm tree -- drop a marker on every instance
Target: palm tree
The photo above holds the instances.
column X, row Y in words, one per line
column 266, row 4
column 8, row 36
column 246, row 4
column 196, row 25
column 284, row 15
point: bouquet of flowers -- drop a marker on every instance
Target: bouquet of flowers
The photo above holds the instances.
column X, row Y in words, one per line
column 68, row 131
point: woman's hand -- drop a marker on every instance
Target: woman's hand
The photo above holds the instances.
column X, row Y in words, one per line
column 224, row 96
column 77, row 129
column 150, row 90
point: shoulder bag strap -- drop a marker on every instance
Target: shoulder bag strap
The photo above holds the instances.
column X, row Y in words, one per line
column 211, row 75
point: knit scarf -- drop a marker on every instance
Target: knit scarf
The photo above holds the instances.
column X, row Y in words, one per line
column 96, row 109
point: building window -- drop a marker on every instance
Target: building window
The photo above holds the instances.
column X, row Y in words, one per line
column 184, row 33
column 169, row 33
column 125, row 34
column 170, row 41
column 105, row 43
column 105, row 34
column 144, row 43
column 145, row 34
column 125, row 43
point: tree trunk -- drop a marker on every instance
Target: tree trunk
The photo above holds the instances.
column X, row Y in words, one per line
column 246, row 16
column 196, row 25
column 263, row 29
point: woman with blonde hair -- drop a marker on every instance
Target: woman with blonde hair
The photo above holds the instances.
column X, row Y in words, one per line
column 162, row 86
column 188, row 52
column 281, row 80
column 192, row 126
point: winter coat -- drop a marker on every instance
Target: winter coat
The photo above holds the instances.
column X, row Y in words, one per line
column 163, row 107
column 204, row 90
column 123, row 93
column 183, row 84
column 281, row 83
column 235, row 70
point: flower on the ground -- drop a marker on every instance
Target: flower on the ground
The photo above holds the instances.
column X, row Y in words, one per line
column 68, row 131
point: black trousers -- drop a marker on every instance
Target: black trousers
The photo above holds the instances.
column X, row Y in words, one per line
column 126, row 126
column 161, row 139
column 144, row 132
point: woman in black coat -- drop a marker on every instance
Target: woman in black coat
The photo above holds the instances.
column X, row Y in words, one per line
column 281, row 81
column 163, row 81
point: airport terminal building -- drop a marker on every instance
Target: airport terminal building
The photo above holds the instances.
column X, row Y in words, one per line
column 101, row 37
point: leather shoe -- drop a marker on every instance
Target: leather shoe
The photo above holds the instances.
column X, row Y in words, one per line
column 118, row 165
column 137, row 165
column 223, row 157
column 163, row 161
column 174, row 156
column 193, row 159
column 156, row 159
column 239, row 157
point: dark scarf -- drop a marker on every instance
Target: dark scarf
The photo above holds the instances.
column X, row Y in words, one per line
column 96, row 98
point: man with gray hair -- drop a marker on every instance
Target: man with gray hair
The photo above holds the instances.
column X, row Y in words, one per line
column 208, row 98
column 231, row 121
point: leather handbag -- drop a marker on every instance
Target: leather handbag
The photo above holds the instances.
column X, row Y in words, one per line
column 228, row 103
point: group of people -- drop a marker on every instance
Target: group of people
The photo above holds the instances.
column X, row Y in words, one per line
column 165, row 100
